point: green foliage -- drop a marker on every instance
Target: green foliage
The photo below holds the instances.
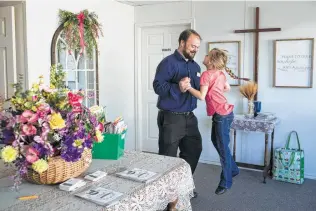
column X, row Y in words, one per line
column 57, row 76
column 92, row 30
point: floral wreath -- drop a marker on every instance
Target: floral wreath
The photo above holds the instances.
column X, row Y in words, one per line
column 81, row 31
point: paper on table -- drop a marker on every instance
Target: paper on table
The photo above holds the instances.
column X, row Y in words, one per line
column 101, row 196
column 139, row 175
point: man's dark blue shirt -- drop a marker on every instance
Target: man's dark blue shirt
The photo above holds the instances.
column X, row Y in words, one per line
column 166, row 83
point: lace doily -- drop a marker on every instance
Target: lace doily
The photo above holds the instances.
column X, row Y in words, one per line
column 254, row 124
column 175, row 182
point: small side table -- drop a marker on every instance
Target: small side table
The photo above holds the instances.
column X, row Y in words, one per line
column 256, row 124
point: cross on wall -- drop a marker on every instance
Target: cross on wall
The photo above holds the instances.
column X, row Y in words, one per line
column 256, row 49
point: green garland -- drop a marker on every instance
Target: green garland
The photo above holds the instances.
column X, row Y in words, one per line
column 71, row 33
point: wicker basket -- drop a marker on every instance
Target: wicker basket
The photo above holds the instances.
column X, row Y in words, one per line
column 59, row 170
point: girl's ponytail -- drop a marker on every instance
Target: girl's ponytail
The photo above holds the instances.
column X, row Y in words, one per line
column 231, row 74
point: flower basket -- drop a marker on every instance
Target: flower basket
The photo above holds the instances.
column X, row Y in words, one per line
column 59, row 170
column 48, row 133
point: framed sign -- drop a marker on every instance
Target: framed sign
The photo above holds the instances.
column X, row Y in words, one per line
column 233, row 63
column 293, row 63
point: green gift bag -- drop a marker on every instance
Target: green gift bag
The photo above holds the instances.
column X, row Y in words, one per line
column 288, row 165
column 112, row 147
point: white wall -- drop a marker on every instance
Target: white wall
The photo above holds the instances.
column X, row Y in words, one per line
column 216, row 21
column 116, row 60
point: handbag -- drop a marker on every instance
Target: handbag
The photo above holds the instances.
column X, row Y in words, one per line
column 288, row 164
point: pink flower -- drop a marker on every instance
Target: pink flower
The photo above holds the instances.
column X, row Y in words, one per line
column 100, row 127
column 77, row 109
column 29, row 130
column 31, row 155
column 38, row 139
column 15, row 143
column 75, row 99
column 46, row 88
column 11, row 123
column 28, row 116
column 43, row 110
column 45, row 130
column 34, row 98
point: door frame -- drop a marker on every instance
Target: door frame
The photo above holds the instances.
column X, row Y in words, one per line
column 138, row 72
column 20, row 38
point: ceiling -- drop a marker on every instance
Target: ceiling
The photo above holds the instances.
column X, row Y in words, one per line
column 142, row 3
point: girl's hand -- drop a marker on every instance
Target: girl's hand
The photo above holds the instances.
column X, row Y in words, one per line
column 184, row 84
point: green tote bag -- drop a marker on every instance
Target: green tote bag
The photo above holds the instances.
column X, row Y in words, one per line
column 288, row 164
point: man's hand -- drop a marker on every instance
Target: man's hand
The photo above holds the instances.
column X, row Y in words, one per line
column 184, row 84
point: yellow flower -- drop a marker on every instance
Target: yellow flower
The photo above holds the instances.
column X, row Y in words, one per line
column 62, row 104
column 35, row 87
column 40, row 165
column 28, row 105
column 41, row 79
column 9, row 154
column 56, row 121
column 19, row 100
column 99, row 136
column 34, row 108
column 95, row 109
column 78, row 143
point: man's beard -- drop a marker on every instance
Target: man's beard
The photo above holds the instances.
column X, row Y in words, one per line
column 188, row 55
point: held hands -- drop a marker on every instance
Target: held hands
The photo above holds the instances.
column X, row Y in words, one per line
column 185, row 84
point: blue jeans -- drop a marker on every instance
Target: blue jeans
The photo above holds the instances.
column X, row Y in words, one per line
column 220, row 138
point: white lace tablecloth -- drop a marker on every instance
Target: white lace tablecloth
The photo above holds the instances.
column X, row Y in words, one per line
column 175, row 181
column 254, row 124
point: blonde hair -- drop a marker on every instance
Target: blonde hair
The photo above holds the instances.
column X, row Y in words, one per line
column 218, row 60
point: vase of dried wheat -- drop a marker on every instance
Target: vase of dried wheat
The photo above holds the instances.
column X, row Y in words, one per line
column 249, row 90
column 251, row 107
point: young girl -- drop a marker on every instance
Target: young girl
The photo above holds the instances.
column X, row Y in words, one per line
column 213, row 85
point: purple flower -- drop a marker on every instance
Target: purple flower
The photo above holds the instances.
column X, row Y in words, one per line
column 88, row 143
column 8, row 136
column 78, row 134
column 42, row 149
column 71, row 154
column 21, row 164
column 74, row 145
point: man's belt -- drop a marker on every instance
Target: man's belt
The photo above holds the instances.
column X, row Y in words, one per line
column 177, row 113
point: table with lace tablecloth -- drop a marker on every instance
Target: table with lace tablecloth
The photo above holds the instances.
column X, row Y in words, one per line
column 174, row 181
column 263, row 124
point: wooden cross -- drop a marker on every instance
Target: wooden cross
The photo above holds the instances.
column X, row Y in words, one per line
column 256, row 31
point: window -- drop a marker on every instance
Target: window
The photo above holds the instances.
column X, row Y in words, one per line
column 81, row 71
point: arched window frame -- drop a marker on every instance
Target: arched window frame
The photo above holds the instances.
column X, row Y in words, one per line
column 54, row 59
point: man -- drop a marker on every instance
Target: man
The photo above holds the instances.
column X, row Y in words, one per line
column 178, row 126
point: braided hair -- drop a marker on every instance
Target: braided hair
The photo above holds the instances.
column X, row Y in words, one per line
column 218, row 59
column 231, row 74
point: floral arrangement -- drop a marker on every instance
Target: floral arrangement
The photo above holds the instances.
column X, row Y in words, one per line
column 81, row 30
column 46, row 121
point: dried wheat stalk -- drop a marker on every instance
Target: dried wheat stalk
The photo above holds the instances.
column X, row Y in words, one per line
column 249, row 90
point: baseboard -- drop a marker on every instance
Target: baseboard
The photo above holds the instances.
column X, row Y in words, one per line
column 307, row 176
column 218, row 164
column 209, row 162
